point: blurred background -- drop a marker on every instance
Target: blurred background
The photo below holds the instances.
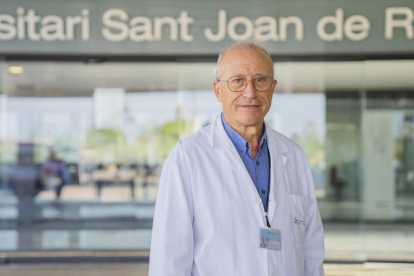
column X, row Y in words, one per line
column 94, row 95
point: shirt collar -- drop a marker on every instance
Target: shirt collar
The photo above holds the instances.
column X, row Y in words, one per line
column 239, row 142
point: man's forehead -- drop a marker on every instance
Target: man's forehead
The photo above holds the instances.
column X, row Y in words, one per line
column 235, row 55
column 253, row 59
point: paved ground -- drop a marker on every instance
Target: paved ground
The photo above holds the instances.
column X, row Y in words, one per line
column 368, row 269
column 75, row 270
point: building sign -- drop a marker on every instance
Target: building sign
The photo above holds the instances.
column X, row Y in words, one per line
column 188, row 27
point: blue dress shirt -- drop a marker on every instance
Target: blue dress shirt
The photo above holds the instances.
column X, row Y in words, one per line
column 258, row 167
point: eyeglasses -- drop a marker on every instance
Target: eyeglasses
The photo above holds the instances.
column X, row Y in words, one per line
column 261, row 83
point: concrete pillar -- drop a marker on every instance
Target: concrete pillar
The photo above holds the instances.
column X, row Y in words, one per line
column 378, row 187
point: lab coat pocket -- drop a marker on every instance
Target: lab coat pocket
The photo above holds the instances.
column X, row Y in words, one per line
column 298, row 216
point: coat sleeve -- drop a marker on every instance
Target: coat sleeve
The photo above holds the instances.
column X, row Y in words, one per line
column 171, row 250
column 314, row 248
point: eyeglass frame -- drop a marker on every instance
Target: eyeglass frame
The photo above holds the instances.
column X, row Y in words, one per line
column 272, row 79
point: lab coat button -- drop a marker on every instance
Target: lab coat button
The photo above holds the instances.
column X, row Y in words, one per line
column 272, row 274
column 258, row 200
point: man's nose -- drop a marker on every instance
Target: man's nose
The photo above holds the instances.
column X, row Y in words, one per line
column 250, row 91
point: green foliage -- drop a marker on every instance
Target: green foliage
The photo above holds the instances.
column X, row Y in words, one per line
column 168, row 135
column 173, row 129
column 104, row 137
column 311, row 143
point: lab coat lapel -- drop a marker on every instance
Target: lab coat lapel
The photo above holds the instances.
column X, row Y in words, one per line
column 278, row 162
column 239, row 168
column 220, row 140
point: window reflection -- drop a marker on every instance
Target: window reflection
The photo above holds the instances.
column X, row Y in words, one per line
column 111, row 126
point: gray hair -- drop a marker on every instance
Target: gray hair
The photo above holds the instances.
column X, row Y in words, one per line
column 241, row 46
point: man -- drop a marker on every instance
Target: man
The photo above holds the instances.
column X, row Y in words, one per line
column 55, row 173
column 234, row 181
column 263, row 241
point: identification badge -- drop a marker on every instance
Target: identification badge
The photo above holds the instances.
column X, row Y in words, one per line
column 270, row 239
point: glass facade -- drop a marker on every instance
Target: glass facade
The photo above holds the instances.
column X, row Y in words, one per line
column 82, row 144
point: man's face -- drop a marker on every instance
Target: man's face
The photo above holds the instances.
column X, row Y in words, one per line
column 248, row 107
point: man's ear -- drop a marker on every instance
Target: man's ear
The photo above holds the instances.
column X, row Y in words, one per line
column 274, row 85
column 217, row 90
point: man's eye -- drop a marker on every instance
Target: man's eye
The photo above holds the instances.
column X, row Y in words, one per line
column 260, row 80
column 238, row 80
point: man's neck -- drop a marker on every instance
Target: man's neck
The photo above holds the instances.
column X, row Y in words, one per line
column 252, row 134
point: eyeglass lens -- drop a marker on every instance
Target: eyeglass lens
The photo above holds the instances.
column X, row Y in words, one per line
column 261, row 83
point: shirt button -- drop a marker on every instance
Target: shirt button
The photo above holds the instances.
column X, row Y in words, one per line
column 263, row 191
column 257, row 163
column 241, row 150
column 258, row 200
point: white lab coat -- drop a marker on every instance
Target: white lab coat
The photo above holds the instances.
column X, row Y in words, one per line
column 208, row 211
